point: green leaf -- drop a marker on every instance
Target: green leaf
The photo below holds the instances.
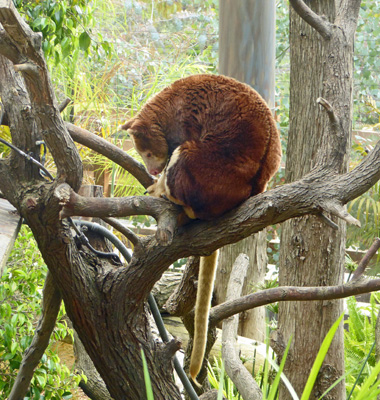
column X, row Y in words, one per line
column 274, row 386
column 41, row 380
column 84, row 41
column 14, row 346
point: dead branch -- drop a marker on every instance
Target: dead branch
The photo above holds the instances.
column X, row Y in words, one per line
column 51, row 303
column 245, row 383
column 322, row 26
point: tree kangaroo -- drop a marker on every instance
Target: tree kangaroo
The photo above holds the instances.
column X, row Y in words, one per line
column 216, row 143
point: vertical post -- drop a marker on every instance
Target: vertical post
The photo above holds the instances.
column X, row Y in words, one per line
column 247, row 53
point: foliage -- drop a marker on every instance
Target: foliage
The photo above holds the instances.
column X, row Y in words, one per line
column 20, row 308
column 367, row 63
column 218, row 378
column 319, row 359
column 66, row 27
column 358, row 340
column 269, row 380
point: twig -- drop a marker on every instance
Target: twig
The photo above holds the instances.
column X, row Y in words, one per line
column 328, row 221
column 28, row 68
column 64, row 104
column 322, row 26
column 50, row 306
column 365, row 260
column 246, row 385
column 334, row 120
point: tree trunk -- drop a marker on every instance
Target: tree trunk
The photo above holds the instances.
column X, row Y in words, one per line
column 247, row 53
column 312, row 253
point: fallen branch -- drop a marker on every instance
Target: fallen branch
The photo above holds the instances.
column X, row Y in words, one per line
column 243, row 380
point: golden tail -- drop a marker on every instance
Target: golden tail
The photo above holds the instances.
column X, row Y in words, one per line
column 207, row 270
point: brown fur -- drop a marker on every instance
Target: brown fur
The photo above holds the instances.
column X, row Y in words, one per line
column 226, row 148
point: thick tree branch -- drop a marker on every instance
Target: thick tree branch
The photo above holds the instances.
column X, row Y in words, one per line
column 9, row 49
column 243, row 380
column 322, row 26
column 182, row 300
column 51, row 303
column 110, row 151
column 165, row 212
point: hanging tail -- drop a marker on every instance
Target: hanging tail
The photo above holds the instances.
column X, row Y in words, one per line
column 207, row 270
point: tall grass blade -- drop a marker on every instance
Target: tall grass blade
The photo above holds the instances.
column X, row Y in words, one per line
column 148, row 384
column 221, row 382
column 276, row 382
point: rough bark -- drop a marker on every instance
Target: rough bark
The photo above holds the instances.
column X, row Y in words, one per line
column 321, row 57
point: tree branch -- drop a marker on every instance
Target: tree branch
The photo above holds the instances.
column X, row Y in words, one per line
column 128, row 233
column 182, row 300
column 322, row 26
column 165, row 212
column 51, row 303
column 292, row 293
column 9, row 49
column 243, row 380
column 313, row 194
column 110, row 151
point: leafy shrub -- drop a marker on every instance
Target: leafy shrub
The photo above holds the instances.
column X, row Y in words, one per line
column 20, row 307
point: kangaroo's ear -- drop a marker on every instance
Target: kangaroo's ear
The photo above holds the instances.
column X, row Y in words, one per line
column 127, row 125
column 136, row 127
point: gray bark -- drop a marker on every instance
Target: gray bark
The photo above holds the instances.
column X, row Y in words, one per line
column 312, row 254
